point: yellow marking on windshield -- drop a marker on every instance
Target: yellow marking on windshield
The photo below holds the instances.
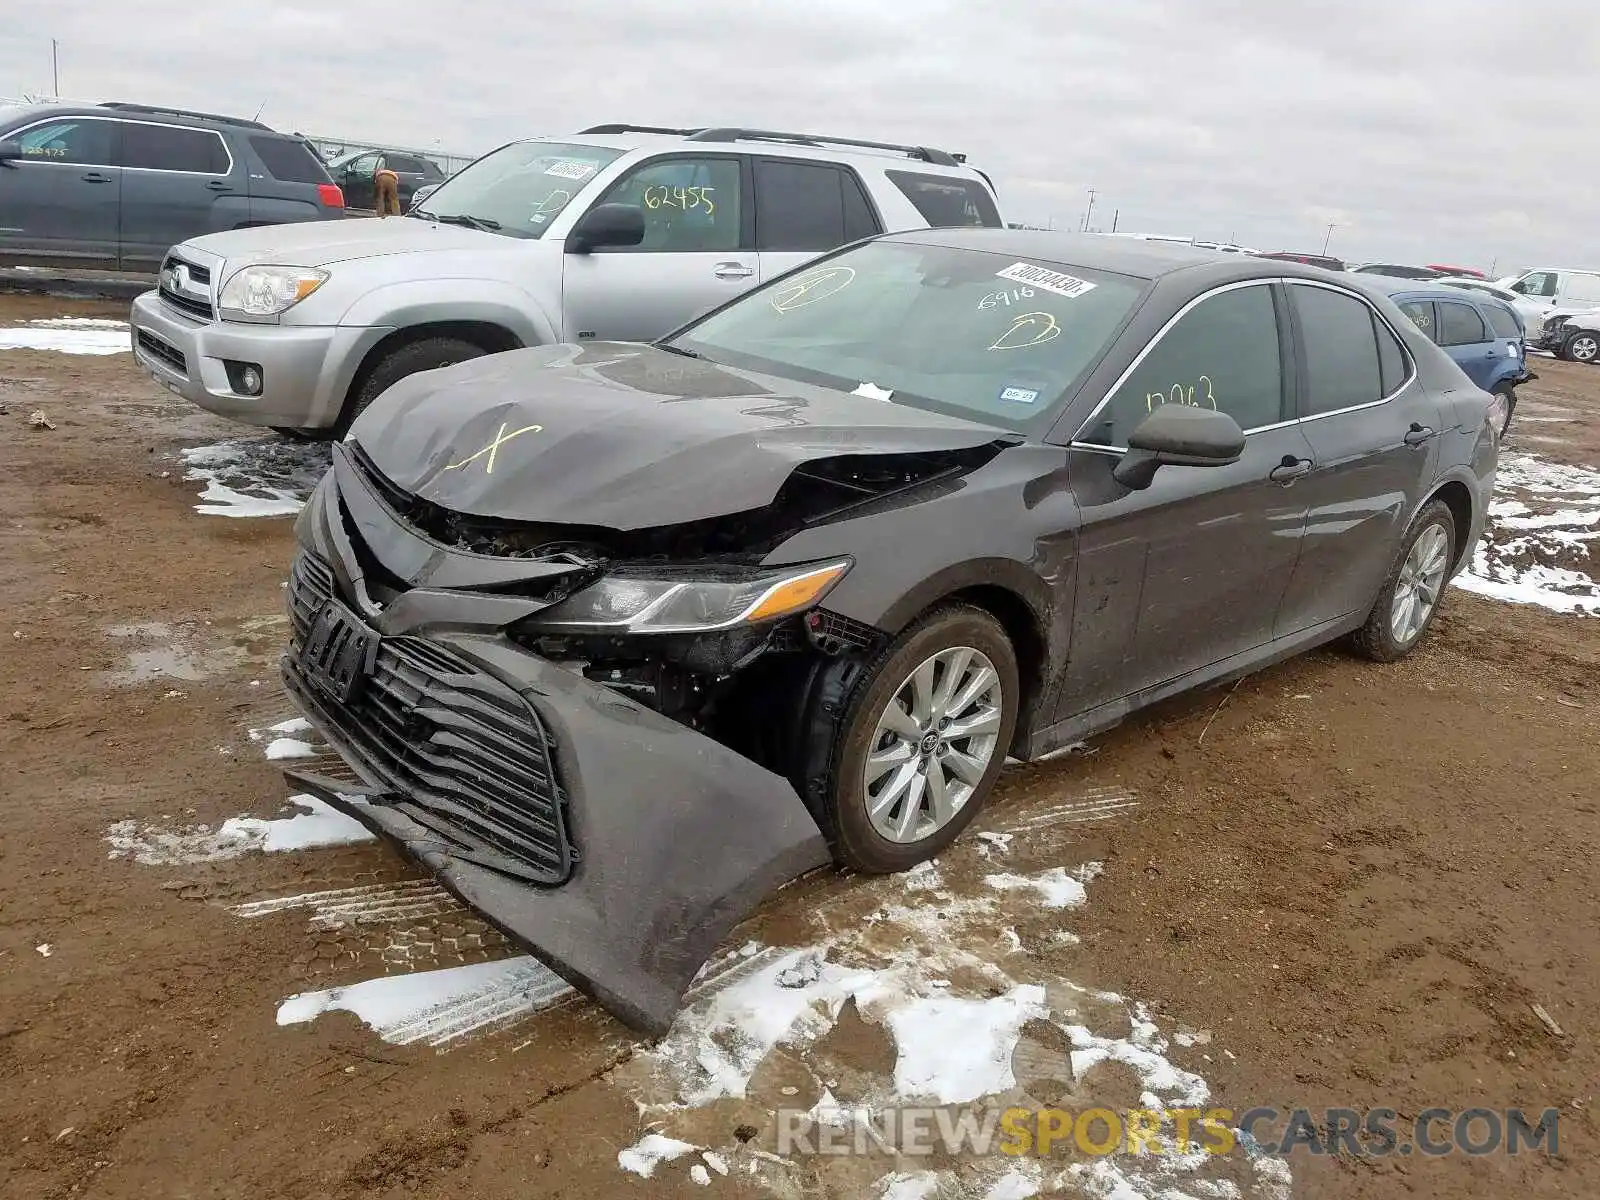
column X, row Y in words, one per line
column 1037, row 327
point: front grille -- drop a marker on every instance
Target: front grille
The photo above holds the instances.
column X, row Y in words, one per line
column 196, row 302
column 163, row 351
column 467, row 757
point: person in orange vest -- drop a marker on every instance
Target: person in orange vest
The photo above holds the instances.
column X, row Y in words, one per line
column 386, row 187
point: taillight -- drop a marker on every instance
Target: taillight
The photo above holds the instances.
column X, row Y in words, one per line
column 331, row 196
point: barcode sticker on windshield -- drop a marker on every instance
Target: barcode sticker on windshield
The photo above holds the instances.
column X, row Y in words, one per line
column 570, row 170
column 1051, row 281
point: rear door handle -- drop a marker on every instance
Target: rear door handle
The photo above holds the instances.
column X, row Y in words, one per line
column 1290, row 469
column 218, row 185
column 1418, row 434
column 95, row 177
column 734, row 270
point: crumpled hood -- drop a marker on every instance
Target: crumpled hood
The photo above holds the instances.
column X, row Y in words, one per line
column 321, row 243
column 624, row 436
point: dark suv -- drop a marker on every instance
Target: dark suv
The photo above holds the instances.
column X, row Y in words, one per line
column 115, row 185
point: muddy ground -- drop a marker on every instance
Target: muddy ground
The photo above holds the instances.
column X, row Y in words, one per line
column 1356, row 880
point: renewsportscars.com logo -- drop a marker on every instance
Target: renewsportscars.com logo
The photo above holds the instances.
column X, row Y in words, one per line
column 1096, row 1132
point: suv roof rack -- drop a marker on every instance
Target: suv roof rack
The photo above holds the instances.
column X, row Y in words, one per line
column 159, row 111
column 733, row 133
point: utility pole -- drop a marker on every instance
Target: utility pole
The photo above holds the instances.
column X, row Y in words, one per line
column 1115, row 214
column 1327, row 237
column 1087, row 213
column 55, row 71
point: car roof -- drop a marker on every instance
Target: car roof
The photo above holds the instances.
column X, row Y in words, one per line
column 151, row 113
column 633, row 139
column 1428, row 291
column 1134, row 257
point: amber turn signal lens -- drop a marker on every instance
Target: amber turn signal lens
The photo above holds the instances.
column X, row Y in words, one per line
column 795, row 595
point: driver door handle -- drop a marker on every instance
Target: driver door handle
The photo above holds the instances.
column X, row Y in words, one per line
column 218, row 185
column 1418, row 434
column 1290, row 469
column 734, row 270
column 96, row 177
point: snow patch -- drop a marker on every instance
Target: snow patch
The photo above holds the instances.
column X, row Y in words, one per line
column 319, row 825
column 281, row 748
column 1055, row 888
column 650, row 1151
column 1540, row 529
column 69, row 335
column 952, row 1050
column 265, row 477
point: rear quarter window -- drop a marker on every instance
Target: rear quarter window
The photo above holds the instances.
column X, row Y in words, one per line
column 946, row 202
column 289, row 161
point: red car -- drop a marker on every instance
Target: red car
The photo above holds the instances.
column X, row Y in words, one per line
column 1457, row 271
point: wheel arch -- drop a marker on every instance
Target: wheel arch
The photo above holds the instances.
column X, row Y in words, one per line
column 1457, row 497
column 490, row 336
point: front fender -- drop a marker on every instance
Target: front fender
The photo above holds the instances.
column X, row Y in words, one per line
column 415, row 302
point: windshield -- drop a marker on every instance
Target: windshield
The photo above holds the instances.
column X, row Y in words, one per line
column 970, row 333
column 519, row 189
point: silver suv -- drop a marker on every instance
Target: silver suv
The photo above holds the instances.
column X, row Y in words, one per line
column 620, row 232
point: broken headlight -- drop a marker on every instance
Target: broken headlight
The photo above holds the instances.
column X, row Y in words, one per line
column 666, row 601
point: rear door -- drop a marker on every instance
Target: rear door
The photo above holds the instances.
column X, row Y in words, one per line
column 178, row 182
column 58, row 202
column 1506, row 328
column 1374, row 432
column 698, row 251
column 806, row 208
column 1465, row 337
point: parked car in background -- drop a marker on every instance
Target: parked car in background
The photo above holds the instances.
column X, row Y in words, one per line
column 1574, row 336
column 421, row 194
column 1397, row 271
column 1470, row 272
column 1326, row 261
column 355, row 173
column 115, row 185
column 1568, row 288
column 619, row 232
column 790, row 585
column 1529, row 310
column 1484, row 337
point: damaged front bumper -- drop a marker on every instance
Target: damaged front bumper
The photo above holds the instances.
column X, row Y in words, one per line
column 616, row 844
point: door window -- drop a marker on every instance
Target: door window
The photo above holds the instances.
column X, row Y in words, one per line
column 1460, row 325
column 689, row 204
column 1583, row 289
column 808, row 206
column 1503, row 321
column 1539, row 283
column 364, row 167
column 1221, row 354
column 403, row 164
column 170, row 148
column 80, row 142
column 1341, row 350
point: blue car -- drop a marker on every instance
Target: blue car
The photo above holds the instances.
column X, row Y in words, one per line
column 1484, row 336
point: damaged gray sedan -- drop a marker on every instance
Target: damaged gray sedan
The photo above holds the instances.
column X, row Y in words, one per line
column 617, row 639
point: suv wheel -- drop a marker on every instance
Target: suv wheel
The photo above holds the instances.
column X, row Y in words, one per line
column 1409, row 598
column 1582, row 346
column 425, row 354
column 923, row 741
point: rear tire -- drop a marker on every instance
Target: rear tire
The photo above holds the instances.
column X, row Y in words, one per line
column 959, row 651
column 1421, row 570
column 424, row 354
column 1581, row 347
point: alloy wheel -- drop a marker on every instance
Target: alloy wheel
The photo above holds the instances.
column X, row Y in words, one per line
column 933, row 742
column 1416, row 592
column 1584, row 348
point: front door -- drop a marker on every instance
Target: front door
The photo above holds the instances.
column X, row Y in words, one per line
column 698, row 252
column 177, row 183
column 58, row 202
column 1374, row 431
column 1191, row 570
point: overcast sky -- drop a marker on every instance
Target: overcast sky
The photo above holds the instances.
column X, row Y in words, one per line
column 1424, row 129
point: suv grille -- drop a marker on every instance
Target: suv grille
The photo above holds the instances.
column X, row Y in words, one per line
column 186, row 287
column 469, row 758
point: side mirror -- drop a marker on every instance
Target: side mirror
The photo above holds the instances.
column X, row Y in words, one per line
column 607, row 225
column 1178, row 435
column 10, row 149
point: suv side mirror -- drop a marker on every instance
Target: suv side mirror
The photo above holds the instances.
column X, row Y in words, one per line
column 10, row 148
column 1178, row 435
column 607, row 225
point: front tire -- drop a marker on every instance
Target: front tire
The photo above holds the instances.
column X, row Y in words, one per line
column 1409, row 598
column 1509, row 393
column 425, row 354
column 1581, row 347
column 923, row 740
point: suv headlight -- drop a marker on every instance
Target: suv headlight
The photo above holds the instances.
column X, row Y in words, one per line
column 698, row 601
column 268, row 291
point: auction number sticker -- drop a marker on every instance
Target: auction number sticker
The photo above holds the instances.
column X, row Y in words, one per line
column 1042, row 277
column 570, row 170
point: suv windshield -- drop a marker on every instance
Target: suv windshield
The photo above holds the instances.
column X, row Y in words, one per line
column 518, row 189
column 969, row 333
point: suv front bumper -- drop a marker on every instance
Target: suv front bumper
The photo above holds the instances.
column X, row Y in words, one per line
column 305, row 369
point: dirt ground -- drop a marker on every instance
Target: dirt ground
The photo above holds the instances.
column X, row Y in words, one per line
column 1356, row 879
